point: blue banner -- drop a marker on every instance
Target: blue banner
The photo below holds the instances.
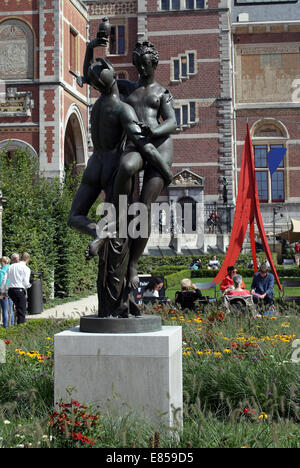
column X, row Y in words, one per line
column 275, row 157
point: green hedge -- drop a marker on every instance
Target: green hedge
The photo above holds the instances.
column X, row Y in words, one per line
column 174, row 278
column 35, row 220
column 246, row 272
column 149, row 264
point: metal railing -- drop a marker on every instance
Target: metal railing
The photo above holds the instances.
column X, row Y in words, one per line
column 218, row 218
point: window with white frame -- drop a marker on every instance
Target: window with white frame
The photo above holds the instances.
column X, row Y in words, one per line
column 182, row 4
column 183, row 66
column 185, row 113
column 268, row 136
column 270, row 188
column 117, row 40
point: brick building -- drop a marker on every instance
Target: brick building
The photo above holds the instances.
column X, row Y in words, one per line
column 266, row 62
column 42, row 45
column 224, row 61
column 192, row 38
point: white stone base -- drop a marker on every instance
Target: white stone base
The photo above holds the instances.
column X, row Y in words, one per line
column 141, row 371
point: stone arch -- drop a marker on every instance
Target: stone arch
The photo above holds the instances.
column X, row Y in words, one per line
column 16, row 50
column 269, row 128
column 13, row 144
column 75, row 140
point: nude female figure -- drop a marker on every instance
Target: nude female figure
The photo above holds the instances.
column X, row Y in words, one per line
column 153, row 105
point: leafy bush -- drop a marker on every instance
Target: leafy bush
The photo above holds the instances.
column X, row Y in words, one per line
column 35, row 220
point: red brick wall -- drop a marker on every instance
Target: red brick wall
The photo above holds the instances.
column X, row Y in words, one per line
column 205, row 84
column 30, row 135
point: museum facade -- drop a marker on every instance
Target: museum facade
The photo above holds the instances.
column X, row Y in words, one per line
column 226, row 63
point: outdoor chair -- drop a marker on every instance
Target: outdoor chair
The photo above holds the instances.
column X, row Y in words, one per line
column 207, row 287
column 290, row 284
column 239, row 305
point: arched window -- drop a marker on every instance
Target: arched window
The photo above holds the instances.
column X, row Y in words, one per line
column 268, row 135
column 16, row 50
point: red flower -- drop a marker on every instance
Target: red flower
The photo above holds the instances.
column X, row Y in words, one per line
column 249, row 412
column 7, row 341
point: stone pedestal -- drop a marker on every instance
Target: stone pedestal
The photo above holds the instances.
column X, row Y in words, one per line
column 138, row 371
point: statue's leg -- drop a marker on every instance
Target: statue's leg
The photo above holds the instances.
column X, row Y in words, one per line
column 130, row 164
column 85, row 197
column 152, row 187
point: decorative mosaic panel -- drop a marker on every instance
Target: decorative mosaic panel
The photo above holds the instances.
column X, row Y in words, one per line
column 113, row 8
column 16, row 50
column 267, row 72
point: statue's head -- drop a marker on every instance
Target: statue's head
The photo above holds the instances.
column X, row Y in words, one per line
column 145, row 48
column 101, row 75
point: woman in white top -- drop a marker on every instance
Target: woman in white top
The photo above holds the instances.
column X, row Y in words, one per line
column 153, row 287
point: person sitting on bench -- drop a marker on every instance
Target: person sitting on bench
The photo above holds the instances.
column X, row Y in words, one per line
column 227, row 282
column 153, row 287
column 262, row 286
column 238, row 289
column 188, row 296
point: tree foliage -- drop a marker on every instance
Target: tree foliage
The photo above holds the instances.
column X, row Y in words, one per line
column 35, row 220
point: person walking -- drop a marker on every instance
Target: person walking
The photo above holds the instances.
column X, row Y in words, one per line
column 18, row 276
column 5, row 302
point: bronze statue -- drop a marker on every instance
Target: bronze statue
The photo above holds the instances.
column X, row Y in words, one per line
column 128, row 137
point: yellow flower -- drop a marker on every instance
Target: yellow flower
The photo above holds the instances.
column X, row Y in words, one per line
column 217, row 355
column 227, row 351
column 263, row 416
column 285, row 325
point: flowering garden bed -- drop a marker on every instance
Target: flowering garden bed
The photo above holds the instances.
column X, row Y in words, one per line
column 241, row 388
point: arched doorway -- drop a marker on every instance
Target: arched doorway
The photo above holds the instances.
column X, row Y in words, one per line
column 75, row 145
